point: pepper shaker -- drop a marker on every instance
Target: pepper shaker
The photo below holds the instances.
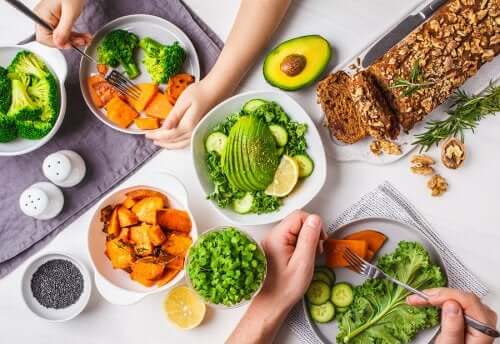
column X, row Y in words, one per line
column 42, row 201
column 64, row 168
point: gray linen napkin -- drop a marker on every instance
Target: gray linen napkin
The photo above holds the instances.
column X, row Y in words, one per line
column 385, row 201
column 110, row 156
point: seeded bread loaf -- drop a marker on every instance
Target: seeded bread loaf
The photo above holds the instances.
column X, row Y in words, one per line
column 450, row 48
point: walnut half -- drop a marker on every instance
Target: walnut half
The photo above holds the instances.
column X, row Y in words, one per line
column 422, row 164
column 438, row 185
column 453, row 153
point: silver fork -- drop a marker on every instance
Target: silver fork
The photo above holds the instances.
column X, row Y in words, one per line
column 369, row 270
column 121, row 83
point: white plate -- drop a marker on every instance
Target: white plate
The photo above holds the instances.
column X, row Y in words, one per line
column 143, row 26
column 395, row 232
column 360, row 151
column 115, row 285
column 305, row 191
column 57, row 65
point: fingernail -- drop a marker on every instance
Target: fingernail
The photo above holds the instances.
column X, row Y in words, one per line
column 312, row 221
column 451, row 308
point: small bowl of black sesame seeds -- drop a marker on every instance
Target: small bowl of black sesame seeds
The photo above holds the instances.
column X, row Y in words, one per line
column 56, row 287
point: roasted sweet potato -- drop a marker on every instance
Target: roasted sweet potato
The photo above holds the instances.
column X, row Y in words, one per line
column 105, row 214
column 334, row 251
column 139, row 278
column 126, row 217
column 373, row 238
column 147, row 123
column 168, row 275
column 119, row 253
column 176, row 244
column 174, row 219
column 177, row 84
column 139, row 194
column 148, row 267
column 148, row 91
column 156, row 235
column 120, row 113
column 129, row 203
column 140, row 238
column 102, row 69
column 147, row 207
column 159, row 107
column 175, row 263
column 114, row 226
column 125, row 235
column 101, row 92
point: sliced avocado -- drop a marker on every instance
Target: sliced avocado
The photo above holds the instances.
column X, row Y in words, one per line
column 243, row 171
column 297, row 63
column 264, row 158
column 245, row 163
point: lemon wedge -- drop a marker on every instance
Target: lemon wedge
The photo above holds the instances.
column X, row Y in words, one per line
column 184, row 308
column 285, row 178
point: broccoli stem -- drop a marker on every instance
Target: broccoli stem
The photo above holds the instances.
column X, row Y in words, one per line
column 132, row 70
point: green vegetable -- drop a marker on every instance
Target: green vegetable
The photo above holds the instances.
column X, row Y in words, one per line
column 322, row 313
column 280, row 134
column 33, row 130
column 216, row 142
column 306, row 165
column 5, row 91
column 162, row 61
column 379, row 313
column 329, row 272
column 251, row 105
column 226, row 267
column 45, row 93
column 342, row 294
column 22, row 106
column 321, row 276
column 8, row 130
column 243, row 205
column 318, row 293
column 117, row 48
column 27, row 64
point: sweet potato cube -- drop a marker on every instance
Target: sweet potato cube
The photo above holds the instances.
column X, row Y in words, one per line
column 374, row 239
column 119, row 253
column 168, row 275
column 136, row 276
column 140, row 238
column 334, row 251
column 126, row 217
column 159, row 107
column 113, row 228
column 177, row 244
column 120, row 113
column 147, row 207
column 156, row 235
column 129, row 203
column 175, row 263
column 174, row 219
column 139, row 194
column 101, row 91
column 125, row 235
column 147, row 123
column 148, row 91
column 148, row 267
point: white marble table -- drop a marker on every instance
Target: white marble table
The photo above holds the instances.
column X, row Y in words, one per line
column 467, row 217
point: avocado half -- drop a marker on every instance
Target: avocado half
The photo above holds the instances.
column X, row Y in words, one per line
column 297, row 63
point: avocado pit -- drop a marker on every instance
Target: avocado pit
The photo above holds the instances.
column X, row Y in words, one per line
column 293, row 64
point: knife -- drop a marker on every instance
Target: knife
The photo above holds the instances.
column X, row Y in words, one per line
column 400, row 32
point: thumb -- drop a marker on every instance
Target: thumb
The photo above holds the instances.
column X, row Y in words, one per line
column 308, row 239
column 452, row 324
column 69, row 14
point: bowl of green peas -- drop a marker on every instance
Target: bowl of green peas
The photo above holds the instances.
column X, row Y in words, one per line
column 226, row 267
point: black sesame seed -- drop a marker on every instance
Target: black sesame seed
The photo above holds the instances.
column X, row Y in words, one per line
column 57, row 284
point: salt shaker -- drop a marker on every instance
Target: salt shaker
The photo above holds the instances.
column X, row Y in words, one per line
column 64, row 168
column 42, row 201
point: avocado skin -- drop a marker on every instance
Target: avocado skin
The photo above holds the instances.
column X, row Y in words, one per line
column 250, row 159
column 275, row 77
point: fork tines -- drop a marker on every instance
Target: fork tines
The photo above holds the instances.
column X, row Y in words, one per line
column 123, row 85
column 355, row 262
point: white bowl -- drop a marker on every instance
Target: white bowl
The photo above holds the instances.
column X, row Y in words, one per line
column 51, row 314
column 305, row 191
column 115, row 285
column 57, row 64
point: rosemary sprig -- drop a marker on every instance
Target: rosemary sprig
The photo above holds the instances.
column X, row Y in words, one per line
column 415, row 82
column 464, row 114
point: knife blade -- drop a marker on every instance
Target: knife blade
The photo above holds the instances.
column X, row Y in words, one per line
column 400, row 31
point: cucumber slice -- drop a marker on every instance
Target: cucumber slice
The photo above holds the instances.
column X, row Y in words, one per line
column 342, row 294
column 252, row 105
column 306, row 165
column 216, row 142
column 327, row 271
column 244, row 204
column 341, row 309
column 322, row 313
column 280, row 134
column 321, row 276
column 318, row 292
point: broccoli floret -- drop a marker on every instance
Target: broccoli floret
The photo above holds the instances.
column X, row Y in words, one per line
column 27, row 63
column 45, row 93
column 5, row 91
column 162, row 61
column 117, row 48
column 33, row 130
column 8, row 130
column 22, row 106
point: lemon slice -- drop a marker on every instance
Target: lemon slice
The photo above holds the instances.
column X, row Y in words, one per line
column 285, row 178
column 184, row 308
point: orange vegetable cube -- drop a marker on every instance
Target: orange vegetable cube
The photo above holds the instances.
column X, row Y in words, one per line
column 177, row 244
column 148, row 91
column 174, row 220
column 119, row 253
column 147, row 207
column 159, row 107
column 129, row 203
column 177, row 84
column 334, row 251
column 156, row 235
column 147, row 123
column 113, row 228
column 167, row 277
column 120, row 113
column 126, row 217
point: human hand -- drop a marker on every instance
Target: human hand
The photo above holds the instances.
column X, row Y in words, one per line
column 454, row 304
column 60, row 14
column 291, row 249
column 191, row 106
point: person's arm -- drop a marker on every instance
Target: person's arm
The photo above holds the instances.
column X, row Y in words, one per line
column 61, row 14
column 291, row 249
column 454, row 304
column 254, row 24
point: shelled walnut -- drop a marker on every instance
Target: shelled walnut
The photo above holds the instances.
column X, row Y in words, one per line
column 453, row 153
column 385, row 146
column 438, row 185
column 422, row 164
